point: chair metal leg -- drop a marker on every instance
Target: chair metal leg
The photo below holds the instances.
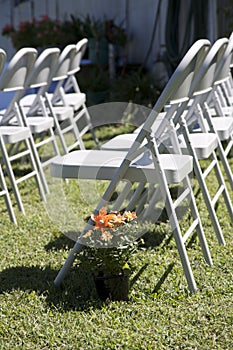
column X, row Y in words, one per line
column 7, row 199
column 203, row 187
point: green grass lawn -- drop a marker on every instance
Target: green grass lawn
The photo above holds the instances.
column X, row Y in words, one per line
column 160, row 313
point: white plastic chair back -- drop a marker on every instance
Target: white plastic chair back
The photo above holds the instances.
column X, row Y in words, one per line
column 223, row 68
column 15, row 76
column 60, row 73
column 43, row 68
column 178, row 87
column 41, row 75
column 204, row 79
column 17, row 71
column 64, row 62
column 2, row 59
column 81, row 47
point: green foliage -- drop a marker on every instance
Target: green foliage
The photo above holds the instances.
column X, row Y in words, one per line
column 225, row 10
column 44, row 32
column 160, row 313
column 133, row 86
column 104, row 28
column 136, row 86
column 51, row 32
column 94, row 79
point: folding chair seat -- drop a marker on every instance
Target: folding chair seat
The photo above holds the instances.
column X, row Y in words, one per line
column 16, row 141
column 204, row 146
column 144, row 163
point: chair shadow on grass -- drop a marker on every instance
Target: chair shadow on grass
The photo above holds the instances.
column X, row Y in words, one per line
column 78, row 291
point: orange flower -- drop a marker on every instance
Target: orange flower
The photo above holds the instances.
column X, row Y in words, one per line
column 118, row 219
column 103, row 220
column 129, row 216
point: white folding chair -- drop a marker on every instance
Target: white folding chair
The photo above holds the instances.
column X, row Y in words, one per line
column 143, row 163
column 3, row 187
column 12, row 130
column 71, row 82
column 71, row 95
column 34, row 107
column 220, row 99
column 63, row 116
column 205, row 143
column 223, row 79
column 67, row 93
column 70, row 117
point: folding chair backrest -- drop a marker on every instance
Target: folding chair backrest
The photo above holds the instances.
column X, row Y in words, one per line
column 15, row 76
column 231, row 39
column 60, row 73
column 204, row 79
column 42, row 74
column 81, row 47
column 223, row 68
column 43, row 68
column 177, row 89
column 194, row 59
column 178, row 86
column 18, row 69
column 64, row 61
column 2, row 59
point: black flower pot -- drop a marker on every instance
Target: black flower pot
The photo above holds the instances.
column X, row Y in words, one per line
column 115, row 287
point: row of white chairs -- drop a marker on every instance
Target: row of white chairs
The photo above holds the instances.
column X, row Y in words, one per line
column 187, row 124
column 37, row 124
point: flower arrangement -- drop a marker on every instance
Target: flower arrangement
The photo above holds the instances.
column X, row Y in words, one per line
column 107, row 223
column 44, row 32
column 108, row 246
